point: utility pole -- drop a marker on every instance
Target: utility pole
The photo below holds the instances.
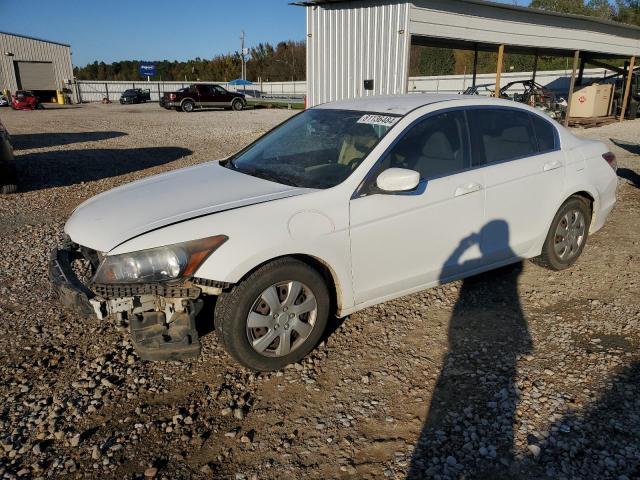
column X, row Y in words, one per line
column 243, row 73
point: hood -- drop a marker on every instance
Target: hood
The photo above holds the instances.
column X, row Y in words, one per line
column 113, row 217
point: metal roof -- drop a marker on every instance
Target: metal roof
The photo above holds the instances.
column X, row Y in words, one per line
column 505, row 6
column 35, row 38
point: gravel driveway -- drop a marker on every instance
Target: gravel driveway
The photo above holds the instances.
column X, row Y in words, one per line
column 518, row 373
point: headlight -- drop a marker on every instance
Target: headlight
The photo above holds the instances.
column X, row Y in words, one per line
column 158, row 264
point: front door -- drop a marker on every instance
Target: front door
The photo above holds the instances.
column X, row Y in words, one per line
column 404, row 242
column 222, row 97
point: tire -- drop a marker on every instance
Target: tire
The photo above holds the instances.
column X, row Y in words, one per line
column 188, row 106
column 8, row 189
column 237, row 104
column 271, row 284
column 560, row 252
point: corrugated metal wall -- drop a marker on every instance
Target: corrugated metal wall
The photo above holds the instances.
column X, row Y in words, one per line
column 345, row 46
column 96, row 90
column 29, row 49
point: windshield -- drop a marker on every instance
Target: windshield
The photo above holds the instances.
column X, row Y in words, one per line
column 315, row 149
column 130, row 92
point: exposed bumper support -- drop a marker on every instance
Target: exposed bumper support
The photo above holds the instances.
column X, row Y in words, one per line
column 71, row 292
column 154, row 338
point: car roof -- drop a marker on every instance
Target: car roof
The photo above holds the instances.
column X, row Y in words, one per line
column 402, row 104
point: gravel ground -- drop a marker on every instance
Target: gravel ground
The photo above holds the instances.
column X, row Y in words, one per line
column 518, row 373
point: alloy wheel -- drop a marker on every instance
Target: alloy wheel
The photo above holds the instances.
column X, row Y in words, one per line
column 281, row 318
column 570, row 235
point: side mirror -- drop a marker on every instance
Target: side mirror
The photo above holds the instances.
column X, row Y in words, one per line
column 398, row 180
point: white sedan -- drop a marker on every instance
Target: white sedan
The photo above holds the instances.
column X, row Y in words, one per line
column 341, row 207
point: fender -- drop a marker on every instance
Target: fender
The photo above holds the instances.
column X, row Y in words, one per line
column 537, row 246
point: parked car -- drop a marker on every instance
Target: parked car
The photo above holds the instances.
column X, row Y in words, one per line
column 202, row 96
column 4, row 101
column 8, row 175
column 25, row 100
column 343, row 206
column 135, row 95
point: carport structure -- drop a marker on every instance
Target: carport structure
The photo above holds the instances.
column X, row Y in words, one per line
column 361, row 47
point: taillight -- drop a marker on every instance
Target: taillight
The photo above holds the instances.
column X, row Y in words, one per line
column 172, row 96
column 611, row 160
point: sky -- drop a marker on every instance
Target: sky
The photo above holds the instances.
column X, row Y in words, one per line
column 111, row 30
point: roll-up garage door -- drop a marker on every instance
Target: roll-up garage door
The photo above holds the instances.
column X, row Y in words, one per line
column 35, row 76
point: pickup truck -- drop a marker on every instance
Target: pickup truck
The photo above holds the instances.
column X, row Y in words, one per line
column 202, row 96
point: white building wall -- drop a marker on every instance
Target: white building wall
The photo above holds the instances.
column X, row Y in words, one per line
column 349, row 42
column 346, row 46
column 30, row 49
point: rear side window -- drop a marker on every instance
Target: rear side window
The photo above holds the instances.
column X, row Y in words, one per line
column 498, row 135
column 545, row 133
column 434, row 147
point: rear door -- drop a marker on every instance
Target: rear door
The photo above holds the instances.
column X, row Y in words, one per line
column 206, row 96
column 524, row 176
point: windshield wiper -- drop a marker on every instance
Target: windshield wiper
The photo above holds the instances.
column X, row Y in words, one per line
column 271, row 176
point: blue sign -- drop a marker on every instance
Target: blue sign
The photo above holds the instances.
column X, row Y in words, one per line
column 147, row 69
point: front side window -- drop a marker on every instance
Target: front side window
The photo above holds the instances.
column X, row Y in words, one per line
column 219, row 90
column 499, row 135
column 434, row 147
column 318, row 148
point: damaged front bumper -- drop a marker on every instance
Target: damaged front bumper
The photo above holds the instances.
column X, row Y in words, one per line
column 162, row 317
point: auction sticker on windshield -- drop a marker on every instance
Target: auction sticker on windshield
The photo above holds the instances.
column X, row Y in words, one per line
column 384, row 120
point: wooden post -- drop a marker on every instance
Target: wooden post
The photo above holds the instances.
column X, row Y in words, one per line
column 475, row 63
column 499, row 70
column 572, row 85
column 535, row 66
column 627, row 88
column 581, row 72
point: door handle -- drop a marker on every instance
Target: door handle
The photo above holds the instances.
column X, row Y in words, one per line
column 552, row 165
column 467, row 189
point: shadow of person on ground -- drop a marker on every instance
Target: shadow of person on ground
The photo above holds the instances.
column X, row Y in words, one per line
column 69, row 167
column 601, row 441
column 24, row 141
column 630, row 147
column 469, row 428
column 632, row 177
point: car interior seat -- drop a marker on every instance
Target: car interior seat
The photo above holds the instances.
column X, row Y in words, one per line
column 356, row 144
column 441, row 152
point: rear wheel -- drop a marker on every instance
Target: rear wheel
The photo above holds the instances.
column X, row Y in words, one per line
column 274, row 317
column 567, row 236
column 188, row 106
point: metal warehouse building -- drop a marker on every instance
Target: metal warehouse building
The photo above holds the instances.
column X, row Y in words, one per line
column 361, row 47
column 28, row 63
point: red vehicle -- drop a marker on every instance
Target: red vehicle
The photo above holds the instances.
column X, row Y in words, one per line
column 25, row 100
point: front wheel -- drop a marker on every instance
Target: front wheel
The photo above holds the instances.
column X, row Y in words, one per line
column 567, row 236
column 275, row 317
column 237, row 104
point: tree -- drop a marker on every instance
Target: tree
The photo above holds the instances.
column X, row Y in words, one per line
column 427, row 61
column 628, row 11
